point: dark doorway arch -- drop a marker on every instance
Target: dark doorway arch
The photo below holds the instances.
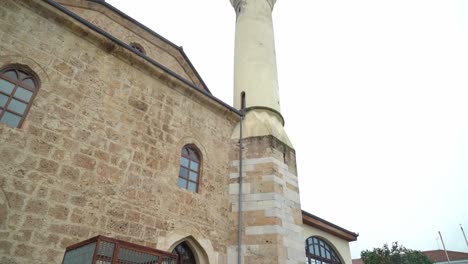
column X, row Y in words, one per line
column 185, row 254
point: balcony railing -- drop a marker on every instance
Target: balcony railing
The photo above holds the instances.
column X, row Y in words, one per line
column 105, row 250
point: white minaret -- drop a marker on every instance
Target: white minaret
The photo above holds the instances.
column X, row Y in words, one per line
column 255, row 70
column 268, row 208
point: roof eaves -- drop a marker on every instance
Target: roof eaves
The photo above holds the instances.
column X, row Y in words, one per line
column 122, row 14
column 439, row 255
column 181, row 50
column 355, row 235
column 148, row 59
column 178, row 48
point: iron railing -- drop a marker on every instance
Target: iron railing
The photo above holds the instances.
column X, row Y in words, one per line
column 105, row 250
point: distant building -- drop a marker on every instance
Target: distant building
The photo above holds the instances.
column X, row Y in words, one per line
column 438, row 257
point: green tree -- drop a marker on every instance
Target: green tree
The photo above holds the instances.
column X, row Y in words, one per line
column 397, row 254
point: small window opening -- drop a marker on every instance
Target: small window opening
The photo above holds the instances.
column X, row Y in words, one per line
column 137, row 47
column 189, row 173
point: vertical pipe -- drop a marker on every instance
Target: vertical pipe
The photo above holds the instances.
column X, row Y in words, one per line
column 446, row 254
column 241, row 148
column 463, row 231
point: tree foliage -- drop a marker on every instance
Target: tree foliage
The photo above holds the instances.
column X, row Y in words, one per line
column 397, row 254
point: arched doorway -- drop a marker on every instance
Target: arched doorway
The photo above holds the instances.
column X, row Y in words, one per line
column 185, row 254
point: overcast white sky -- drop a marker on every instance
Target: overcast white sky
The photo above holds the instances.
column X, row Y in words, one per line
column 375, row 98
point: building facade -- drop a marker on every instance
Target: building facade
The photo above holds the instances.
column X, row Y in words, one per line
column 107, row 129
column 438, row 257
column 445, row 257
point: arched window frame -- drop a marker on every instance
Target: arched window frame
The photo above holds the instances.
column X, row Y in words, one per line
column 18, row 88
column 138, row 47
column 320, row 251
column 189, row 167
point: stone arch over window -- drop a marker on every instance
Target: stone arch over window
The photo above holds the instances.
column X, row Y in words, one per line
column 30, row 63
column 18, row 87
column 190, row 168
column 320, row 251
column 201, row 247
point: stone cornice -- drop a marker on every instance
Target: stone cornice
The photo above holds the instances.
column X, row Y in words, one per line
column 235, row 3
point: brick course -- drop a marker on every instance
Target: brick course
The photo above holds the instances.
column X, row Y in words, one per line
column 271, row 214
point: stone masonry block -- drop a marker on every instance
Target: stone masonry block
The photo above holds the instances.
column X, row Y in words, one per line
column 48, row 166
column 5, row 247
column 59, row 212
column 84, row 161
column 37, row 207
column 22, row 235
column 264, row 230
column 234, row 188
column 15, row 200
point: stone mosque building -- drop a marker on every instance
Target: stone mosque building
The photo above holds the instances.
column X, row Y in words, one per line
column 113, row 150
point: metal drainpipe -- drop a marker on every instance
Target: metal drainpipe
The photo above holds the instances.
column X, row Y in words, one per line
column 241, row 148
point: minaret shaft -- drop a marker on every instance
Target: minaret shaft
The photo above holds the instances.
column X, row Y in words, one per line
column 267, row 208
column 255, row 70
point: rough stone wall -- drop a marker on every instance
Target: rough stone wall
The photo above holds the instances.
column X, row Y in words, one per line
column 99, row 150
column 128, row 32
column 272, row 217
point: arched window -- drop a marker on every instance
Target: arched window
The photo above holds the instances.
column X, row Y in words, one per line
column 137, row 47
column 189, row 173
column 17, row 91
column 185, row 254
column 319, row 251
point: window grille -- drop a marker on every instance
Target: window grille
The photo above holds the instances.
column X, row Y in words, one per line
column 104, row 250
column 320, row 252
